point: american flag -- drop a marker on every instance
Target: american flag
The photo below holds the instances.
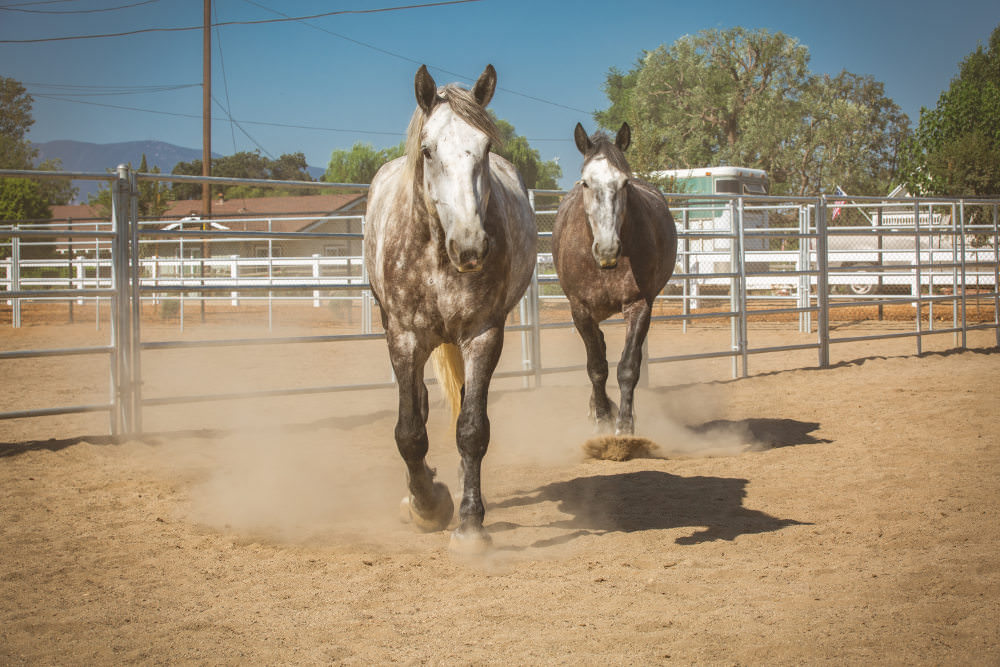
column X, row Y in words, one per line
column 838, row 204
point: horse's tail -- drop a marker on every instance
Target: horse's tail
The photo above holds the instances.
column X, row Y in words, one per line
column 450, row 371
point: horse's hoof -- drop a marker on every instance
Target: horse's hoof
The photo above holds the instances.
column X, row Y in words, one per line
column 625, row 430
column 470, row 542
column 439, row 515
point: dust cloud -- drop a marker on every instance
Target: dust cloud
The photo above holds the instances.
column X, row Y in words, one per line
column 685, row 423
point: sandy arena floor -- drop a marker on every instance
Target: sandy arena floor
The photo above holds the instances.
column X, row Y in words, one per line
column 846, row 515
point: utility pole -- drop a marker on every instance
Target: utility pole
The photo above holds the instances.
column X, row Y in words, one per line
column 206, row 136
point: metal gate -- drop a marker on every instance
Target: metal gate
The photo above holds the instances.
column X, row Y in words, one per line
column 739, row 257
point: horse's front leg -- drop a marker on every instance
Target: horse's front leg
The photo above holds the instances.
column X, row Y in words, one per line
column 429, row 504
column 637, row 326
column 472, row 434
column 601, row 407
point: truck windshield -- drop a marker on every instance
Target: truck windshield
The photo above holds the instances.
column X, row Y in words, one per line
column 727, row 187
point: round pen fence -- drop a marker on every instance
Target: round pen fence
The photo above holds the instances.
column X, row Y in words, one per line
column 803, row 262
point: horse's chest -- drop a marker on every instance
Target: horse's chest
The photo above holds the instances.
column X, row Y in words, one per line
column 420, row 294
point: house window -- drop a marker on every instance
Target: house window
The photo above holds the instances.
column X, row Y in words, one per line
column 336, row 248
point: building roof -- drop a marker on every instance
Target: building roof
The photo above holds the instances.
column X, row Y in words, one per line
column 251, row 213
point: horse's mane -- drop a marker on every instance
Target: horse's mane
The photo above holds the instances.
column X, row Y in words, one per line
column 603, row 145
column 464, row 104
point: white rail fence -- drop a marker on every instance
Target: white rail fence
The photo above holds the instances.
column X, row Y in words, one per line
column 738, row 257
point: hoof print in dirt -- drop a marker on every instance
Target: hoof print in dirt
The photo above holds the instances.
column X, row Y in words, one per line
column 619, row 448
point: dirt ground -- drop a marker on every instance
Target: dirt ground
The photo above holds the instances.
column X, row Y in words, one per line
column 843, row 515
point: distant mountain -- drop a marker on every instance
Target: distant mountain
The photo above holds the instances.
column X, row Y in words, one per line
column 99, row 158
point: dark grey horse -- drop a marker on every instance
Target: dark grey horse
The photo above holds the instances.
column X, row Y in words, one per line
column 614, row 245
column 450, row 249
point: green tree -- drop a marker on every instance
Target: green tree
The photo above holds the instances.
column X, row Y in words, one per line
column 16, row 152
column 23, row 199
column 359, row 164
column 955, row 149
column 543, row 175
column 362, row 161
column 747, row 98
column 15, row 121
column 845, row 132
column 245, row 164
column 154, row 196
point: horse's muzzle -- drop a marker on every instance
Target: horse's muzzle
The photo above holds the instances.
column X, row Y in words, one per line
column 606, row 255
column 470, row 260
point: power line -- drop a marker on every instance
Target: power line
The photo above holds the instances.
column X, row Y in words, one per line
column 235, row 123
column 100, row 91
column 293, row 126
column 198, row 116
column 15, row 8
column 39, row 2
column 225, row 81
column 123, row 89
column 408, row 59
column 229, row 23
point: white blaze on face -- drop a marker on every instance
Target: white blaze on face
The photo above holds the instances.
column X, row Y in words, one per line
column 456, row 182
column 604, row 204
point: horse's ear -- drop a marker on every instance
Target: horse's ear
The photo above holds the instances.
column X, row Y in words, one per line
column 582, row 140
column 425, row 89
column 487, row 83
column 624, row 138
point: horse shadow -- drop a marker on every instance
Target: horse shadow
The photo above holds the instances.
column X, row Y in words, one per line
column 655, row 500
column 649, row 500
column 765, row 433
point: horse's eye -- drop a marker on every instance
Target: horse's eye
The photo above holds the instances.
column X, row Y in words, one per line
column 427, row 152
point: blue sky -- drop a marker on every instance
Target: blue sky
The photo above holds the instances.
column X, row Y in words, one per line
column 323, row 84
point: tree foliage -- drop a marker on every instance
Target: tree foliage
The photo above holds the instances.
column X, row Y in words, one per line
column 543, row 175
column 22, row 199
column 154, row 196
column 362, row 161
column 244, row 164
column 955, row 150
column 15, row 121
column 16, row 152
column 359, row 164
column 747, row 98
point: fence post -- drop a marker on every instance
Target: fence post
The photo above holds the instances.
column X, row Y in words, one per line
column 736, row 342
column 234, row 274
column 118, row 376
column 961, row 226
column 135, row 312
column 80, row 277
column 15, row 278
column 532, row 342
column 822, row 283
column 315, row 272
column 996, row 271
column 744, row 292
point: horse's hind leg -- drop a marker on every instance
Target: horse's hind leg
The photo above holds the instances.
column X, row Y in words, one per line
column 429, row 504
column 601, row 407
column 472, row 434
column 637, row 326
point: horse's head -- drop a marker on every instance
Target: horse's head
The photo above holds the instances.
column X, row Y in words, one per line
column 604, row 180
column 454, row 134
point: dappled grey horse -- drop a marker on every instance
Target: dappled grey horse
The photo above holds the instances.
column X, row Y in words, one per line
column 450, row 242
column 614, row 245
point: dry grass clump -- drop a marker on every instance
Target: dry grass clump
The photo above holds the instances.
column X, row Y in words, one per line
column 619, row 448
